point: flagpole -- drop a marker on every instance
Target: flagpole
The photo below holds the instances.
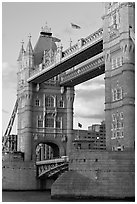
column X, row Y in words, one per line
column 78, row 132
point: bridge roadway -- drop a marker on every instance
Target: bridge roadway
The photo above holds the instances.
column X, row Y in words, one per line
column 86, row 70
column 77, row 54
column 51, row 167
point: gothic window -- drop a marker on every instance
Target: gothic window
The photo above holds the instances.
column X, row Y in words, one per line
column 118, row 134
column 37, row 102
column 121, row 115
column 49, row 121
column 114, row 21
column 114, row 95
column 122, row 124
column 49, row 101
column 117, row 94
column 61, row 103
column 122, row 134
column 116, row 62
column 59, row 123
column 113, row 117
column 118, row 124
column 40, row 122
column 114, row 126
column 119, row 61
column 113, row 135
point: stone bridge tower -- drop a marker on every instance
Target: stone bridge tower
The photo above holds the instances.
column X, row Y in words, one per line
column 45, row 111
column 119, row 52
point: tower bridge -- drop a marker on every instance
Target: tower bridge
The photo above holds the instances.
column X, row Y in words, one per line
column 46, row 79
column 64, row 60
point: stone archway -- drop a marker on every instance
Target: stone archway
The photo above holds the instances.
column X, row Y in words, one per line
column 45, row 149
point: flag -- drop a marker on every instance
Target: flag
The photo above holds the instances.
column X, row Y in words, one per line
column 75, row 26
column 80, row 125
column 55, row 39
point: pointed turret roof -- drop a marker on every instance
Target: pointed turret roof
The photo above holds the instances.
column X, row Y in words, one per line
column 22, row 51
column 29, row 49
column 45, row 42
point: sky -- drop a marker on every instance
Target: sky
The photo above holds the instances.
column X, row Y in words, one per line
column 21, row 18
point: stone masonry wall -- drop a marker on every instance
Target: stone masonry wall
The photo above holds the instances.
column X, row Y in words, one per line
column 19, row 175
column 99, row 174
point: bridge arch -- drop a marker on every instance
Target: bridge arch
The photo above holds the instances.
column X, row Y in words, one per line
column 58, row 149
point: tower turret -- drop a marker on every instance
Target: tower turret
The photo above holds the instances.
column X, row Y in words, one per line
column 29, row 54
column 22, row 52
column 45, row 43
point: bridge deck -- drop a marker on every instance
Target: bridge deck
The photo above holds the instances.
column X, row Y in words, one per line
column 68, row 61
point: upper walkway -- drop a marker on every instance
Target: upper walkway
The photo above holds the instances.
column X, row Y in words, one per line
column 83, row 50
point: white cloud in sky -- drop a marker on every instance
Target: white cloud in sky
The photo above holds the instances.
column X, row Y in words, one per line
column 89, row 102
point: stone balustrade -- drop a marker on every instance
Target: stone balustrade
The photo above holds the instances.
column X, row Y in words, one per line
column 83, row 42
column 93, row 36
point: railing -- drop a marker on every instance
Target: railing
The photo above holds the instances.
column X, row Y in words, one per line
column 93, row 36
column 51, row 161
column 52, row 166
column 82, row 44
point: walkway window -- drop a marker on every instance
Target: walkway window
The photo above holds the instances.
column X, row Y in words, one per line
column 49, row 101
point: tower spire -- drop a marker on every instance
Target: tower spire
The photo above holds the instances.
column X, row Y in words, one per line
column 22, row 51
column 29, row 49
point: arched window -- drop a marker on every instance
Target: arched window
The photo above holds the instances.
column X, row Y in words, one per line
column 37, row 102
column 61, row 104
column 118, row 124
column 49, row 120
column 39, row 121
column 59, row 123
column 117, row 94
column 49, row 102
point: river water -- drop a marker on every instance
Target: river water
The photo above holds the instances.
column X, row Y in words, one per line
column 43, row 196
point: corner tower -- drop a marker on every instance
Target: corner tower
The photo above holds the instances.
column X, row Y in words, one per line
column 45, row 113
column 24, row 96
column 119, row 52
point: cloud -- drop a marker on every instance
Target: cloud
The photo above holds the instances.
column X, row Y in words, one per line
column 90, row 95
column 9, row 75
column 4, row 111
column 89, row 101
column 91, row 116
column 95, row 83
